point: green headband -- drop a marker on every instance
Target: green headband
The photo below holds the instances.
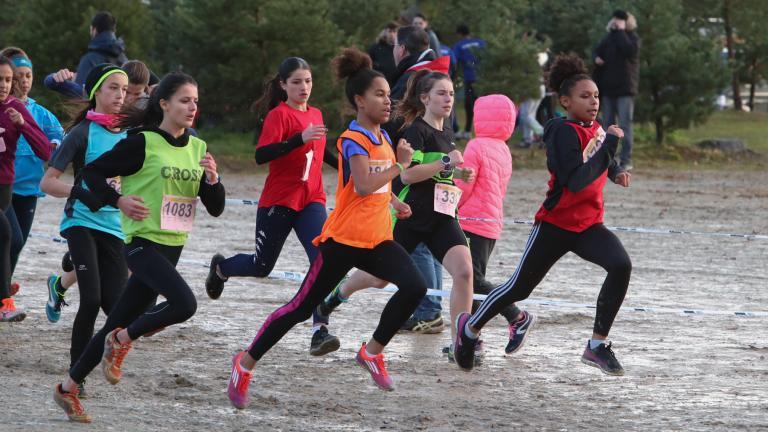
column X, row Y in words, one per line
column 101, row 81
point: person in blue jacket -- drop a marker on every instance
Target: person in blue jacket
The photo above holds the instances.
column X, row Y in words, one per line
column 465, row 50
column 104, row 47
column 29, row 168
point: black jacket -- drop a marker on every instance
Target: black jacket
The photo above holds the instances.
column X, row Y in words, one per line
column 620, row 74
column 383, row 59
column 400, row 79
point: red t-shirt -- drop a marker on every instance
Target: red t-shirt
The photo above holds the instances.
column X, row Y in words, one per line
column 295, row 179
column 564, row 208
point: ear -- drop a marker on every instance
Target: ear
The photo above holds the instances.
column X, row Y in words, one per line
column 359, row 102
column 565, row 101
column 164, row 105
column 282, row 85
column 424, row 98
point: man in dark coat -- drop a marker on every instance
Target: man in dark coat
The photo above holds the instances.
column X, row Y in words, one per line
column 104, row 47
column 617, row 70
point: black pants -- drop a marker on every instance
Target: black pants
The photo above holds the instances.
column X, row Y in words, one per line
column 546, row 245
column 469, row 104
column 481, row 247
column 153, row 268
column 6, row 237
column 20, row 215
column 387, row 261
column 101, row 275
column 273, row 224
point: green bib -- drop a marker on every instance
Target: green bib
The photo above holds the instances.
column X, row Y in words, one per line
column 167, row 172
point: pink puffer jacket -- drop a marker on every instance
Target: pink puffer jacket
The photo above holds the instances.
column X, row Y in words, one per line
column 489, row 155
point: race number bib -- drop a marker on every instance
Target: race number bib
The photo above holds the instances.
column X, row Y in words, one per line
column 177, row 213
column 446, row 199
column 308, row 165
column 593, row 146
column 114, row 183
column 377, row 166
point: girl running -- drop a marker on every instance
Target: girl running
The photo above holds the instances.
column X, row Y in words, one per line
column 292, row 141
column 162, row 170
column 99, row 128
column 29, row 168
column 357, row 234
column 488, row 155
column 580, row 158
column 15, row 122
column 94, row 239
column 428, row 188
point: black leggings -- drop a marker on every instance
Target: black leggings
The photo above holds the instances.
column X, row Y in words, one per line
column 273, row 224
column 481, row 247
column 20, row 215
column 546, row 245
column 6, row 237
column 101, row 275
column 153, row 268
column 387, row 261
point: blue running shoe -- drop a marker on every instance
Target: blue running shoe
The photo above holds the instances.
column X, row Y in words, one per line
column 519, row 331
column 55, row 299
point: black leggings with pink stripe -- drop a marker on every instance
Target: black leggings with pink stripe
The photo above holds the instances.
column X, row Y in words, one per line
column 387, row 261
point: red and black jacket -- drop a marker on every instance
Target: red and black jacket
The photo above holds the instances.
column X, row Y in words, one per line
column 579, row 158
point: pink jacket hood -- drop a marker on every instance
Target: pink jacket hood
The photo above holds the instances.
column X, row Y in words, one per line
column 491, row 159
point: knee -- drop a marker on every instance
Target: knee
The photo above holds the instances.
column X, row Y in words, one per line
column 89, row 308
column 621, row 267
column 462, row 273
column 187, row 307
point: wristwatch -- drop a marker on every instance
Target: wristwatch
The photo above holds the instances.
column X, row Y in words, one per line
column 446, row 160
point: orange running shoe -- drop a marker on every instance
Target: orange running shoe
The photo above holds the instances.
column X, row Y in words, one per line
column 71, row 405
column 375, row 366
column 114, row 354
column 9, row 312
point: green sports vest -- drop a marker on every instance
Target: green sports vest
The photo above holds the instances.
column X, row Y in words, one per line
column 167, row 171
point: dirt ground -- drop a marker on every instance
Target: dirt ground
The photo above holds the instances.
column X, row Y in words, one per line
column 682, row 372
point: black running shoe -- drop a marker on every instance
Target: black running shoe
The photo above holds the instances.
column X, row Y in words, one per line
column 323, row 342
column 602, row 358
column 66, row 263
column 479, row 353
column 214, row 285
column 463, row 345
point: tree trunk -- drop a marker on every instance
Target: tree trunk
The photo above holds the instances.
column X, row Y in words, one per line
column 752, row 84
column 659, row 123
column 727, row 8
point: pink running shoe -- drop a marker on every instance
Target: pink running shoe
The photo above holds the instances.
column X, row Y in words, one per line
column 238, row 383
column 375, row 366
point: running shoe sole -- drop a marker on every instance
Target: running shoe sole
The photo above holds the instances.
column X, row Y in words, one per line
column 328, row 346
column 214, row 285
column 593, row 364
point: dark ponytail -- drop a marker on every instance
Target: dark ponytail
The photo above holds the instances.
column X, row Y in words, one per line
column 567, row 70
column 274, row 94
column 356, row 67
column 419, row 83
column 152, row 115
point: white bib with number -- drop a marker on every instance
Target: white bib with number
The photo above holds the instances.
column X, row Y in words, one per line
column 309, row 156
column 377, row 166
column 446, row 199
column 177, row 213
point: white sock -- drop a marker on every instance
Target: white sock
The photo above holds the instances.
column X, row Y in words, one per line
column 368, row 353
column 316, row 328
column 594, row 343
column 221, row 276
column 468, row 332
